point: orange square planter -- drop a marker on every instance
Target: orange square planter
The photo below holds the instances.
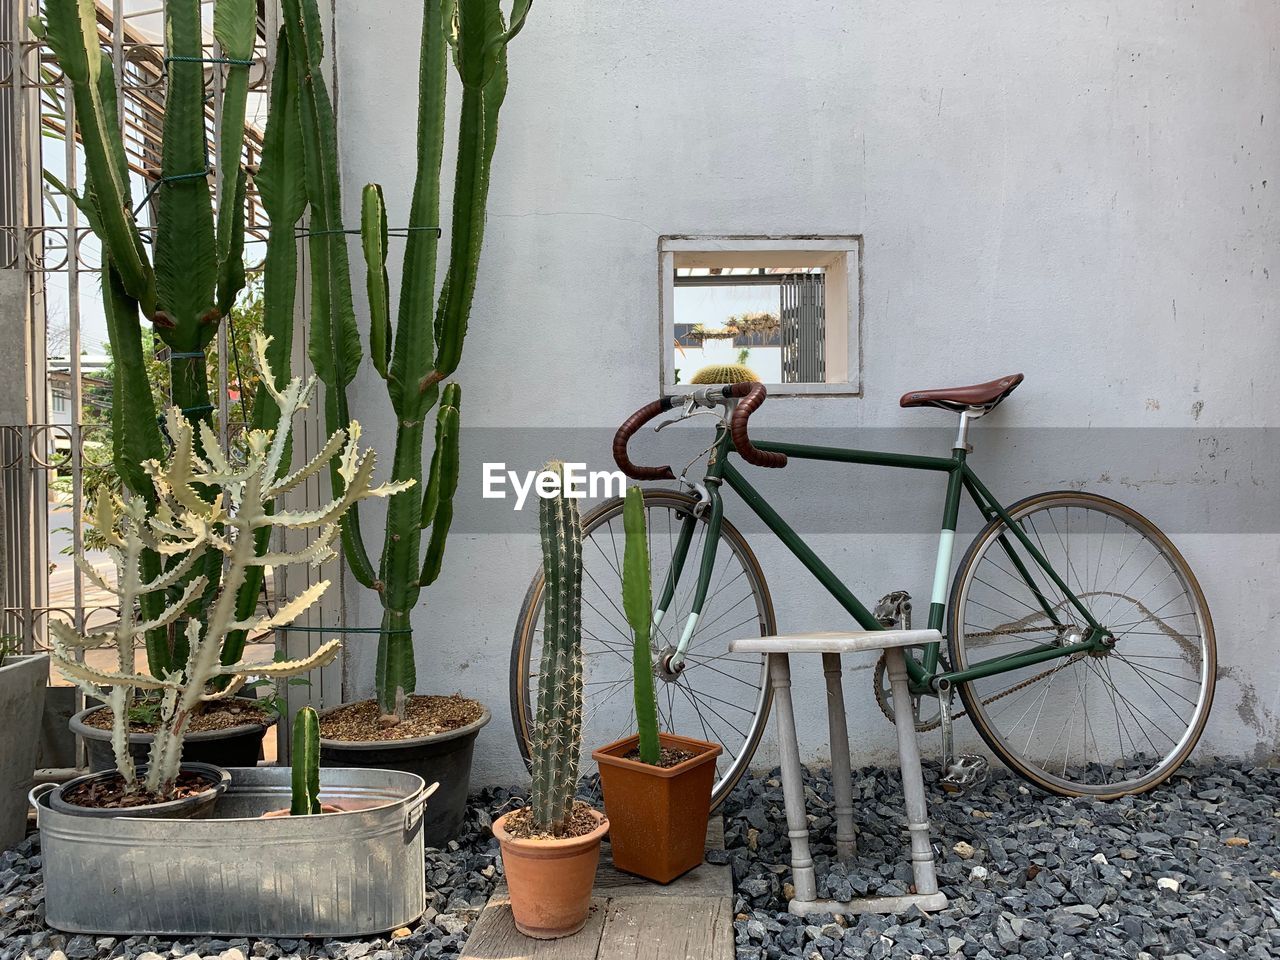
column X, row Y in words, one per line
column 657, row 815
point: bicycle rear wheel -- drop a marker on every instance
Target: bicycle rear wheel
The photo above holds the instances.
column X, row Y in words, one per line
column 1105, row 724
column 720, row 697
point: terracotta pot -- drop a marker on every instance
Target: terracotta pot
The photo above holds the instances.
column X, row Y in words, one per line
column 550, row 880
column 286, row 812
column 658, row 815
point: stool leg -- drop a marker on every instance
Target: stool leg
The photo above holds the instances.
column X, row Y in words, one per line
column 803, row 879
column 841, row 776
column 912, row 776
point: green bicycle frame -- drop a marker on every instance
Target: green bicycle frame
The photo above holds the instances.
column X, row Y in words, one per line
column 960, row 479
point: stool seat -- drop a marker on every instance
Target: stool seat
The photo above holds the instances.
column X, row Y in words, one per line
column 836, row 641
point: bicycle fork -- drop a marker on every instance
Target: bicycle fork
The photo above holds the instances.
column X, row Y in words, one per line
column 671, row 659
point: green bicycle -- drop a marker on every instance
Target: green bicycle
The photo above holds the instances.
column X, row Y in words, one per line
column 1077, row 636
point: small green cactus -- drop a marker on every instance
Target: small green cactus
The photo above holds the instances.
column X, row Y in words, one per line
column 725, row 373
column 557, row 722
column 637, row 601
column 306, row 763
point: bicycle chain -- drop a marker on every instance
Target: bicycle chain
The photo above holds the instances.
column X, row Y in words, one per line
column 885, row 708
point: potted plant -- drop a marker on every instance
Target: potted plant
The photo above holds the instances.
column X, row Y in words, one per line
column 22, row 686
column 184, row 280
column 182, row 526
column 551, row 848
column 433, row 736
column 304, row 770
column 657, row 786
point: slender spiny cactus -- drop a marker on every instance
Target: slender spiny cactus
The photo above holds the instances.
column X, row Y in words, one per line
column 197, row 268
column 637, row 602
column 306, row 763
column 183, row 527
column 427, row 343
column 557, row 722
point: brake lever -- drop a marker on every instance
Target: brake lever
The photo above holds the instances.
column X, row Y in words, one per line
column 688, row 414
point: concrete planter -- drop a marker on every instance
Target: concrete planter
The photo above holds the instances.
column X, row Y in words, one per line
column 239, row 746
column 443, row 758
column 355, row 873
column 22, row 688
column 657, row 815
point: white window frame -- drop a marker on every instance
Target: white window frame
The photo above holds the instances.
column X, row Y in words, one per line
column 841, row 254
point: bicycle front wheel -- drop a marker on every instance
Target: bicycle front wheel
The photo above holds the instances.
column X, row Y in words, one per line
column 719, row 696
column 1105, row 723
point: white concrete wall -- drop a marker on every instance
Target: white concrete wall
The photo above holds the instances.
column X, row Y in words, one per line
column 1075, row 190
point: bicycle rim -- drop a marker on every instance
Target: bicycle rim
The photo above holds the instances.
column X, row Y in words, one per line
column 1104, row 725
column 720, row 697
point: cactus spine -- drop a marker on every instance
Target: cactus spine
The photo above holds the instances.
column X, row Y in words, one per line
column 557, row 734
column 196, row 270
column 306, row 763
column 637, row 602
column 185, row 527
column 426, row 345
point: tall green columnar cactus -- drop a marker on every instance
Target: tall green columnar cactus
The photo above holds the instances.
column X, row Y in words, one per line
column 196, row 269
column 184, row 526
column 429, row 330
column 557, row 721
column 637, row 602
column 306, row 763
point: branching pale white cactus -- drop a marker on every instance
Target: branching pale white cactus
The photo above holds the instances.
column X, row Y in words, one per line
column 183, row 525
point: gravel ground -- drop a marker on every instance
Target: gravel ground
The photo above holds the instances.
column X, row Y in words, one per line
column 1187, row 872
column 459, row 881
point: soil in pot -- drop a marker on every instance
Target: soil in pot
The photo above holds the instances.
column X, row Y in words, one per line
column 658, row 812
column 103, row 795
column 109, row 792
column 550, row 878
column 224, row 733
column 435, row 741
column 363, row 721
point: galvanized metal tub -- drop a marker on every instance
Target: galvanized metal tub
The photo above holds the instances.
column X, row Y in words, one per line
column 332, row 875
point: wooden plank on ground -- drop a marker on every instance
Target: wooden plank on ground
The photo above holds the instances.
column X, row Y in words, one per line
column 655, row 928
column 495, row 936
column 630, row 918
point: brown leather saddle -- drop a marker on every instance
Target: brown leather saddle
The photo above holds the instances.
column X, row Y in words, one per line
column 984, row 396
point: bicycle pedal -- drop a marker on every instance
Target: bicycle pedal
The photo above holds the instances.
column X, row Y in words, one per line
column 966, row 772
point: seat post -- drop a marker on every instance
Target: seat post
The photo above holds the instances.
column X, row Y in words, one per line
column 967, row 415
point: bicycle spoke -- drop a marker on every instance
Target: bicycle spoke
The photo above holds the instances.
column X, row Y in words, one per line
column 1138, row 591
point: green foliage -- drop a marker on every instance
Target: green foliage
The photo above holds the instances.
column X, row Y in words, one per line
column 306, row 763
column 194, row 273
column 557, row 720
column 725, row 373
column 425, row 346
column 637, row 602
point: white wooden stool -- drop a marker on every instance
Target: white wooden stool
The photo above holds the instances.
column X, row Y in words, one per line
column 831, row 645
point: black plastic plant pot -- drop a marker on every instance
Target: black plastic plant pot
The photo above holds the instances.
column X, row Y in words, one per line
column 196, row 807
column 443, row 758
column 239, row 746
